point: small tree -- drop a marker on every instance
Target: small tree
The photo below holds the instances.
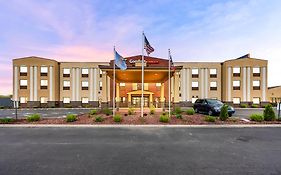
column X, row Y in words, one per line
column 224, row 113
column 268, row 113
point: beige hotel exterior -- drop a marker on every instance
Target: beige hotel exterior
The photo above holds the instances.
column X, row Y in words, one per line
column 41, row 82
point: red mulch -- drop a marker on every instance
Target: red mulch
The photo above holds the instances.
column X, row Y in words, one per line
column 196, row 119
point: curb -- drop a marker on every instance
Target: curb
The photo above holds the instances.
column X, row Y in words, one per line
column 140, row 126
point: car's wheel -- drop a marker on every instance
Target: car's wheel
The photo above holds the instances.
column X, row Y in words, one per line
column 210, row 113
column 196, row 110
column 229, row 114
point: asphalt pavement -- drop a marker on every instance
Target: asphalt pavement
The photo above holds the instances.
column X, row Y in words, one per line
column 210, row 151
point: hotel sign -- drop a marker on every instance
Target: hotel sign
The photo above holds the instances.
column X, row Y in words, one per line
column 132, row 61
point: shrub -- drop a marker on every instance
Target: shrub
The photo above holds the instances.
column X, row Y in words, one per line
column 152, row 109
column 7, row 120
column 164, row 118
column 257, row 117
column 33, row 117
column 98, row 119
column 117, row 118
column 210, row 119
column 179, row 116
column 93, row 112
column 255, row 106
column 71, row 118
column 233, row 119
column 131, row 111
column 2, row 107
column 177, row 110
column 68, row 106
column 243, row 105
column 190, row 111
column 107, row 111
column 268, row 113
column 224, row 113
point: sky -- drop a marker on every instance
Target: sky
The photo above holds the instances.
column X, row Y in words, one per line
column 87, row 30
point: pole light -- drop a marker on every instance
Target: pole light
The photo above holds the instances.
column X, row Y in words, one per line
column 16, row 105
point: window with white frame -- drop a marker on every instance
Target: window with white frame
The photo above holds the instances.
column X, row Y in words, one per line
column 44, row 69
column 195, row 85
column 43, row 99
column 85, row 100
column 236, row 100
column 236, row 70
column 256, row 70
column 135, row 86
column 66, row 71
column 145, row 86
column 236, row 85
column 213, row 71
column 44, row 82
column 66, row 83
column 122, row 84
column 195, row 73
column 23, row 82
column 256, row 100
column 213, row 85
column 158, row 84
column 256, row 83
column 85, row 71
column 23, row 99
column 85, row 83
column 66, row 100
column 23, row 69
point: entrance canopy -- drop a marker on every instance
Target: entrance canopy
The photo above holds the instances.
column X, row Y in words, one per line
column 155, row 70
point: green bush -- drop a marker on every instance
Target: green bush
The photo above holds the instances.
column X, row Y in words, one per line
column 152, row 109
column 117, row 118
column 268, row 113
column 210, row 119
column 98, row 119
column 33, row 117
column 190, row 111
column 164, row 118
column 224, row 113
column 71, row 118
column 257, row 117
column 7, row 120
column 255, row 106
column 68, row 106
column 179, row 116
column 107, row 111
column 243, row 105
column 93, row 112
column 131, row 111
column 2, row 107
column 177, row 110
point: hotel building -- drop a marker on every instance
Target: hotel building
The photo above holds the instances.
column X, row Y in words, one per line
column 41, row 82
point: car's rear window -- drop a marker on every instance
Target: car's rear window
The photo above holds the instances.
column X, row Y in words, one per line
column 210, row 101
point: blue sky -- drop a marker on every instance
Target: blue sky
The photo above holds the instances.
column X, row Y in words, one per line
column 87, row 30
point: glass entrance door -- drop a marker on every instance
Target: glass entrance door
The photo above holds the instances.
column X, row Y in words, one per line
column 136, row 101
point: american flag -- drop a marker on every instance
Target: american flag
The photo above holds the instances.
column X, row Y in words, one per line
column 172, row 63
column 149, row 49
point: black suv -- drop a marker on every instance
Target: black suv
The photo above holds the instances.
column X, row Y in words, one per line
column 210, row 107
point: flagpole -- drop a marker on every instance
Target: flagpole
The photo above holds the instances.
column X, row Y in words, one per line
column 169, row 56
column 113, row 98
column 142, row 74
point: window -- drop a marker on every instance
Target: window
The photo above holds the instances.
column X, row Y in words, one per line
column 256, row 72
column 195, row 85
column 195, row 73
column 100, row 85
column 44, row 71
column 213, row 85
column 236, row 100
column 23, row 71
column 85, row 85
column 66, row 85
column 145, row 86
column 66, row 72
column 256, row 85
column 236, row 71
column 122, row 84
column 213, row 73
column 236, row 85
column 123, row 99
column 44, row 84
column 66, row 100
column 158, row 84
column 256, row 100
column 194, row 98
column 135, row 86
column 85, row 100
column 85, row 72
column 43, row 99
column 100, row 73
column 23, row 99
column 23, row 84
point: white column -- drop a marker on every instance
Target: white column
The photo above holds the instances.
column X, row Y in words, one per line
column 229, row 84
column 202, row 82
column 244, row 84
column 78, row 84
column 206, row 83
column 91, row 77
column 73, row 75
column 183, row 89
column 35, row 84
column 108, row 89
column 264, row 78
column 187, row 85
column 31, row 83
column 16, row 84
column 96, row 84
column 249, row 84
column 51, row 84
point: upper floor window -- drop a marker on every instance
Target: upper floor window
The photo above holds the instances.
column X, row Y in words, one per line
column 195, row 73
column 135, row 86
column 44, row 84
column 158, row 84
column 122, row 84
column 256, row 85
column 23, row 84
column 66, row 100
column 66, row 72
column 66, row 85
column 236, row 100
column 44, row 71
column 100, row 73
column 145, row 86
column 85, row 72
column 236, row 85
column 85, row 85
column 236, row 71
column 213, row 73
column 23, row 71
column 256, row 72
column 100, row 83
column 195, row 85
column 213, row 85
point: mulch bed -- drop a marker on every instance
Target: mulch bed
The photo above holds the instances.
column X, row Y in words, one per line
column 196, row 119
